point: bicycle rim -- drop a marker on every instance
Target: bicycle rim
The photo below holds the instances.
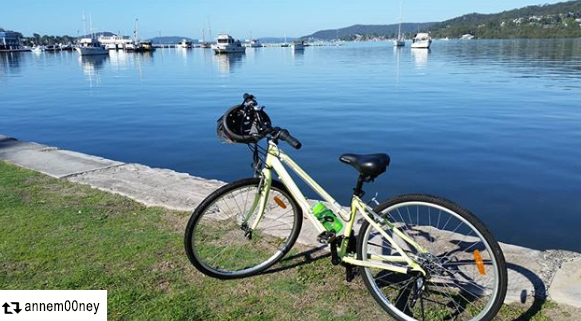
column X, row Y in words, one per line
column 466, row 276
column 225, row 247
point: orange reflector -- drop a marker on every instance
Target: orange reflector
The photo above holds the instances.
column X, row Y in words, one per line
column 479, row 262
column 279, row 202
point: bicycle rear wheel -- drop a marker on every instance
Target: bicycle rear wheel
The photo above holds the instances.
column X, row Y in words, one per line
column 219, row 244
column 466, row 272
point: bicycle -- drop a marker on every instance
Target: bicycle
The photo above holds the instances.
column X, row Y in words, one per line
column 421, row 257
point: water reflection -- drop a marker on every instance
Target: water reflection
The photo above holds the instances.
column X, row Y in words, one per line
column 556, row 58
column 397, row 51
column 298, row 56
column 91, row 67
column 120, row 58
column 10, row 62
column 228, row 63
column 420, row 57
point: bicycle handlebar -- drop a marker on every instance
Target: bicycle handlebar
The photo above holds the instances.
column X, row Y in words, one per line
column 287, row 137
column 276, row 132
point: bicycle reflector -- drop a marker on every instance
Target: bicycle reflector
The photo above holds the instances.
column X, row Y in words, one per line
column 279, row 202
column 479, row 262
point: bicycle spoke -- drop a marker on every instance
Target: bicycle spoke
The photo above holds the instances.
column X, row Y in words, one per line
column 454, row 288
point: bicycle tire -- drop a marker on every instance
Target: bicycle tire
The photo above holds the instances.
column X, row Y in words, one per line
column 470, row 273
column 207, row 235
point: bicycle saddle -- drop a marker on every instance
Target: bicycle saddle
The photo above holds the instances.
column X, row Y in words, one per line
column 371, row 165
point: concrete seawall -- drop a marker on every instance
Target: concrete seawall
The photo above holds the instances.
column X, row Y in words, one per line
column 534, row 276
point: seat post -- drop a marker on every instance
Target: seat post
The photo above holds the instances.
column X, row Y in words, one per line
column 359, row 187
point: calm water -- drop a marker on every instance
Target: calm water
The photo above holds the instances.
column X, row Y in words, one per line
column 492, row 125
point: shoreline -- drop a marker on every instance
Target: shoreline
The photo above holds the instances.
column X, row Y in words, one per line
column 533, row 275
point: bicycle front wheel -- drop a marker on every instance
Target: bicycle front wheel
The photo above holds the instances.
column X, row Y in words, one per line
column 465, row 269
column 218, row 238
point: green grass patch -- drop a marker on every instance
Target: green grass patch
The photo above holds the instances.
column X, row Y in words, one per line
column 59, row 235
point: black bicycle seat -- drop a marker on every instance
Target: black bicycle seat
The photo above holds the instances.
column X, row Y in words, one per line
column 371, row 165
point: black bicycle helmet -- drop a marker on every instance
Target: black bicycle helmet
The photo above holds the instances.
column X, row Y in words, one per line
column 242, row 126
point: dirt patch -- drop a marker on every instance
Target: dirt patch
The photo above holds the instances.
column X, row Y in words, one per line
column 175, row 221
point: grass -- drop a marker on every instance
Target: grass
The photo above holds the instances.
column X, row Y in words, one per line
column 59, row 235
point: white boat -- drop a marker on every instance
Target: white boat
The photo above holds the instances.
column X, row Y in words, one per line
column 130, row 46
column 144, row 46
column 91, row 47
column 421, row 40
column 252, row 43
column 185, row 44
column 467, row 36
column 298, row 45
column 38, row 49
column 227, row 44
column 399, row 41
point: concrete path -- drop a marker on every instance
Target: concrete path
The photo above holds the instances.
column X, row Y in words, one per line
column 533, row 275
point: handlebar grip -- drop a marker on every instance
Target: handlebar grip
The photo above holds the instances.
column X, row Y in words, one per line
column 286, row 136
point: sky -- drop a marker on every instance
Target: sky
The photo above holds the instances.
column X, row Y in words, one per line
column 242, row 18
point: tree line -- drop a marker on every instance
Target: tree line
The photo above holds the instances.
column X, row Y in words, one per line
column 38, row 39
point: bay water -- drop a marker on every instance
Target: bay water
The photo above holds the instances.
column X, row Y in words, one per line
column 494, row 125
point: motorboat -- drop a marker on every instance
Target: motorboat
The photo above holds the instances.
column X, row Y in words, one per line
column 91, row 47
column 227, row 44
column 253, row 43
column 144, row 46
column 298, row 45
column 421, row 40
column 185, row 44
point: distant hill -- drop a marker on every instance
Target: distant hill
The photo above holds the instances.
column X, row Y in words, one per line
column 561, row 20
column 171, row 40
column 350, row 33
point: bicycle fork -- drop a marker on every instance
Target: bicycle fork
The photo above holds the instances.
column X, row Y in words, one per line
column 259, row 202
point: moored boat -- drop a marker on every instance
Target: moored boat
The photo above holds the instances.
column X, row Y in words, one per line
column 144, row 46
column 298, row 45
column 399, row 41
column 186, row 44
column 421, row 40
column 253, row 43
column 91, row 47
column 227, row 44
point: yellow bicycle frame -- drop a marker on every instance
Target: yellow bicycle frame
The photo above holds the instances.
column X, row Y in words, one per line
column 275, row 158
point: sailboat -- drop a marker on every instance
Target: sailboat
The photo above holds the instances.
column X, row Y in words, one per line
column 90, row 46
column 400, row 41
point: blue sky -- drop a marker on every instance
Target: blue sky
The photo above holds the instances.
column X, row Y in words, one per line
column 239, row 18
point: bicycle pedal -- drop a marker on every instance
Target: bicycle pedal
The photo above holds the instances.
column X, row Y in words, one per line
column 350, row 273
column 326, row 237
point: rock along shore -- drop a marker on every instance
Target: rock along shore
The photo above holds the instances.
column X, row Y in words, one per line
column 534, row 276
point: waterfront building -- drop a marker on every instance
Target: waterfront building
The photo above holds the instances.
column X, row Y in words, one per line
column 9, row 40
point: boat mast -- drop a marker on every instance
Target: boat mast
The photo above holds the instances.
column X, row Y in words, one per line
column 399, row 28
column 84, row 25
column 209, row 27
column 135, row 32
